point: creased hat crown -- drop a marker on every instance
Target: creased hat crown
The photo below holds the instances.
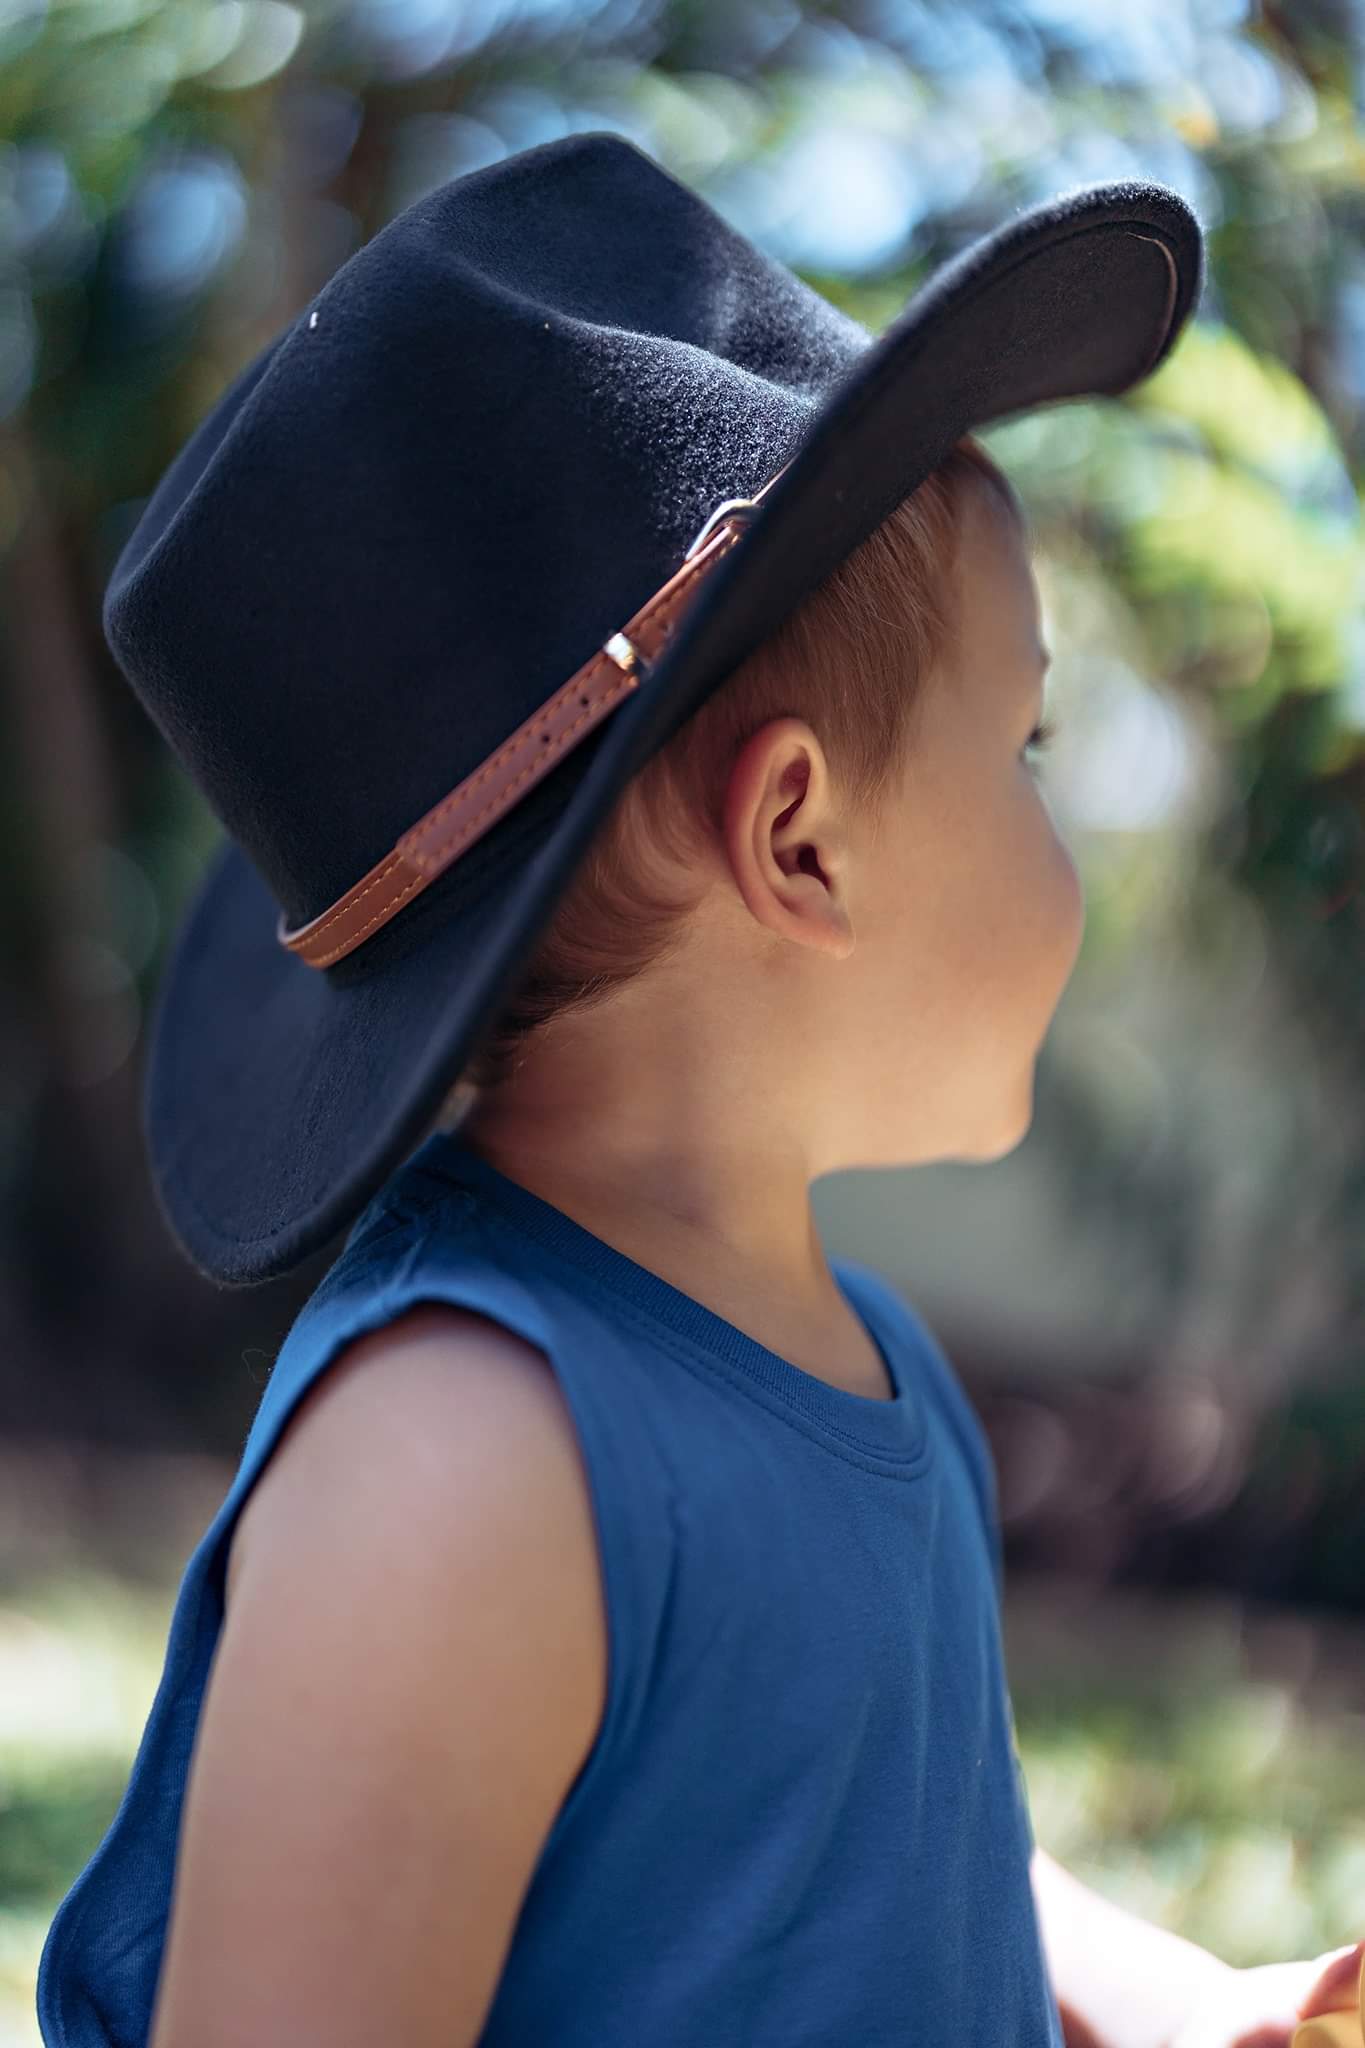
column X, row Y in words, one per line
column 455, row 473
column 457, row 552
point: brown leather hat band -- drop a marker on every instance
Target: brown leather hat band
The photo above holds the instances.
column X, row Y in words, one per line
column 428, row 848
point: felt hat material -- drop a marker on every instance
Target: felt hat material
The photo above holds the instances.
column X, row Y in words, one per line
column 480, row 451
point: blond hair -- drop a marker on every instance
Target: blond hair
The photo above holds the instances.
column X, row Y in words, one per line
column 851, row 660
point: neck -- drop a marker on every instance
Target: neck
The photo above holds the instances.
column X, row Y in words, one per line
column 732, row 1228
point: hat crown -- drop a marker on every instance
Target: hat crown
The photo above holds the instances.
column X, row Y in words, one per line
column 423, row 505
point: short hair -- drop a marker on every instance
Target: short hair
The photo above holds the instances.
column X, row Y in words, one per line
column 852, row 660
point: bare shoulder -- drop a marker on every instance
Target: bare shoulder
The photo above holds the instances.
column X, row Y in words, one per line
column 410, row 1674
column 402, row 1404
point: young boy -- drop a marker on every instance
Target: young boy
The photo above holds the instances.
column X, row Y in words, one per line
column 599, row 1643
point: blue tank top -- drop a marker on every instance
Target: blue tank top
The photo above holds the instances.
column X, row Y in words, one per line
column 802, row 1822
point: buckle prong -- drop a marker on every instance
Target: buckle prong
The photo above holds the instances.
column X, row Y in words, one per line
column 727, row 510
column 730, row 509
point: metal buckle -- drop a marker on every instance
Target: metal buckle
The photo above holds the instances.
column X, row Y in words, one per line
column 728, row 510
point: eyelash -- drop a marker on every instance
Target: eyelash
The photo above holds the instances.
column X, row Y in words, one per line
column 1042, row 735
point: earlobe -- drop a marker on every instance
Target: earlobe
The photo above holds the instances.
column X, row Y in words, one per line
column 814, row 899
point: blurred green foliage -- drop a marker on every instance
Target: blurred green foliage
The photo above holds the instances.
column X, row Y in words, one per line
column 179, row 179
column 1164, row 1770
column 178, row 176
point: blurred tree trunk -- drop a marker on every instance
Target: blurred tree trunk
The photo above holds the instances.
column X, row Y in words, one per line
column 89, row 1301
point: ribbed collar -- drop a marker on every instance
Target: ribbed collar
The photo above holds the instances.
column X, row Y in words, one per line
column 893, row 1431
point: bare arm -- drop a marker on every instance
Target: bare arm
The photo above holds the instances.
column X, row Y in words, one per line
column 1120, row 1981
column 410, row 1675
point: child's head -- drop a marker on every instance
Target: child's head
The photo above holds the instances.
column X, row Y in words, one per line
column 832, row 912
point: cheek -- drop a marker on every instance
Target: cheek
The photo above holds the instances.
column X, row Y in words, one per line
column 1003, row 920
column 1057, row 902
column 1032, row 905
column 1070, row 890
column 1077, row 892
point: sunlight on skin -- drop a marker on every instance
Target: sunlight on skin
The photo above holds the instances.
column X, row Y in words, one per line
column 850, row 993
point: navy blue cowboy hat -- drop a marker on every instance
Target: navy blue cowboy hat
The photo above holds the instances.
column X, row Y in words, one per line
column 537, row 467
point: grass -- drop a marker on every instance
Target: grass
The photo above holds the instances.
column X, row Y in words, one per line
column 1200, row 1763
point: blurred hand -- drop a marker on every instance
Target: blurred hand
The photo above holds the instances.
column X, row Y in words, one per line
column 1260, row 2007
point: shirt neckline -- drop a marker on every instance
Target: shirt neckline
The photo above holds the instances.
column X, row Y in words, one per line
column 894, row 1431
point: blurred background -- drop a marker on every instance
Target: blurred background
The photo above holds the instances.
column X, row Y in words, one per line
column 1157, row 1302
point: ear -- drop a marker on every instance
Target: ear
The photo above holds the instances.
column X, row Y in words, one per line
column 786, row 839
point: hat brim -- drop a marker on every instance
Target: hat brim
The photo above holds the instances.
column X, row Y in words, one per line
column 270, row 1132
